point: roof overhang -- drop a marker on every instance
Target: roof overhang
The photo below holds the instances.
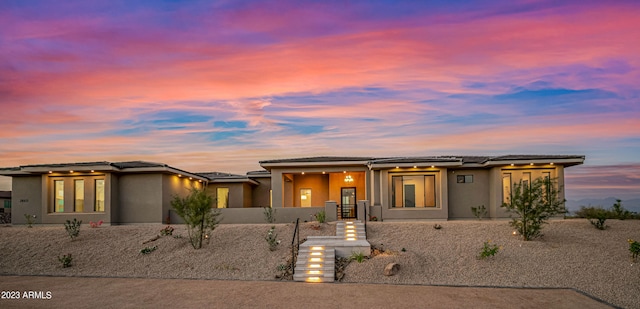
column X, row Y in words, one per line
column 269, row 165
column 234, row 180
column 539, row 161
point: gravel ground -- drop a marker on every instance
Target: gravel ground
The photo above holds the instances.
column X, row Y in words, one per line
column 571, row 254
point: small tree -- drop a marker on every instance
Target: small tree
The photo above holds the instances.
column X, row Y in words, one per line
column 195, row 209
column 533, row 204
column 619, row 211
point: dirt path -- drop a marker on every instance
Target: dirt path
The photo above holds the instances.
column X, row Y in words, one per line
column 82, row 292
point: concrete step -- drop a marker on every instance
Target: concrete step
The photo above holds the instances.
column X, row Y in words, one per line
column 315, row 263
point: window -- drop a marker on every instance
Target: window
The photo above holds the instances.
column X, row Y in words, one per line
column 506, row 187
column 526, row 179
column 58, row 205
column 7, row 204
column 305, row 197
column 223, row 197
column 413, row 191
column 465, row 178
column 99, row 205
column 79, row 195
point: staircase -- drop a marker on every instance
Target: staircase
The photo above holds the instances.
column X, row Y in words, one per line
column 316, row 256
column 315, row 264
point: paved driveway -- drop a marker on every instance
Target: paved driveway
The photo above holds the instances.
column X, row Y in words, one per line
column 76, row 292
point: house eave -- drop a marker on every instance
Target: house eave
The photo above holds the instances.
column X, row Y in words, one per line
column 223, row 180
column 313, row 164
column 417, row 165
column 542, row 161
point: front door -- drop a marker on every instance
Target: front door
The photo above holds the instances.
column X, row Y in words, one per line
column 349, row 203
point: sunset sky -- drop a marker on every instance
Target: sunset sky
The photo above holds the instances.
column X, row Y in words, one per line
column 221, row 85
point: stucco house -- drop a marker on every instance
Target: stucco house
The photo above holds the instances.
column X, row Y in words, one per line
column 393, row 188
column 410, row 188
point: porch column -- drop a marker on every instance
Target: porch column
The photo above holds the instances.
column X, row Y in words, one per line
column 331, row 211
column 361, row 207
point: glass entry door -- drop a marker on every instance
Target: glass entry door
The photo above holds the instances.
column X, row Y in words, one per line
column 349, row 210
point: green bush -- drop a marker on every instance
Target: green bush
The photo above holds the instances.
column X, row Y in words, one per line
column 269, row 215
column 596, row 215
column 358, row 256
column 533, row 204
column 195, row 209
column 73, row 228
column 321, row 216
column 65, row 260
column 479, row 212
column 30, row 219
column 488, row 250
column 147, row 250
column 168, row 230
column 272, row 239
column 620, row 212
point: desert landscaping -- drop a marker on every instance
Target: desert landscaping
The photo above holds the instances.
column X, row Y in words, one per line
column 572, row 254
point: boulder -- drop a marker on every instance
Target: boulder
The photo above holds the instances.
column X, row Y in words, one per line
column 391, row 269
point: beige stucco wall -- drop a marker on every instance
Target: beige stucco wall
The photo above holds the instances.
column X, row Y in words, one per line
column 336, row 183
column 260, row 196
column 172, row 186
column 140, row 198
column 26, row 198
column 463, row 196
column 319, row 185
column 239, row 194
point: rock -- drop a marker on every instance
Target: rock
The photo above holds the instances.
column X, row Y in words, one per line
column 391, row 269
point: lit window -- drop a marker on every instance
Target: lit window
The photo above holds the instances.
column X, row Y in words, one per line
column 305, row 197
column 79, row 196
column 59, row 196
column 99, row 206
column 413, row 191
column 506, row 187
column 222, row 200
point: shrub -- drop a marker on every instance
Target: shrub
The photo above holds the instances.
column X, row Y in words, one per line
column 272, row 239
column 533, row 204
column 321, row 216
column 65, row 260
column 29, row 219
column 269, row 215
column 73, row 228
column 168, row 230
column 596, row 215
column 357, row 256
column 195, row 210
column 479, row 212
column 437, row 226
column 95, row 224
column 373, row 218
column 620, row 212
column 488, row 250
column 634, row 248
column 147, row 250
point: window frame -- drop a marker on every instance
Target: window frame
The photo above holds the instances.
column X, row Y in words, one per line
column 96, row 202
column 76, row 193
column 56, row 198
column 430, row 195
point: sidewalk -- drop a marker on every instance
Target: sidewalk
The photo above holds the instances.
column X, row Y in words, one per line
column 75, row 292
